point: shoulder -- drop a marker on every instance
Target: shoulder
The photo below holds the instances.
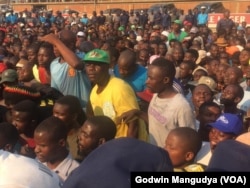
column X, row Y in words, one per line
column 185, row 105
column 142, row 69
column 15, row 163
column 115, row 80
column 119, row 85
column 73, row 163
column 181, row 97
column 55, row 61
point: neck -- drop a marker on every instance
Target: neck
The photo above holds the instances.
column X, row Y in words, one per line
column 244, row 67
column 230, row 109
column 177, row 32
column 168, row 92
column 54, row 163
column 73, row 127
column 103, row 84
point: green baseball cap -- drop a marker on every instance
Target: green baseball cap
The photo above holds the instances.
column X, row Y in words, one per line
column 178, row 22
column 97, row 55
column 9, row 75
column 121, row 28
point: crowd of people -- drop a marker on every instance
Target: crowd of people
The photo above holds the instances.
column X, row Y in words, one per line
column 86, row 100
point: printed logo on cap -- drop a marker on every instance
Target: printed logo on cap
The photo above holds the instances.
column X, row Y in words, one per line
column 223, row 119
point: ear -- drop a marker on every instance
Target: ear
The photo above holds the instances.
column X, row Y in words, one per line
column 101, row 141
column 166, row 80
column 62, row 142
column 237, row 100
column 189, row 156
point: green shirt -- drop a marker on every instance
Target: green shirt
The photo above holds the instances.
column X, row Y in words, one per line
column 179, row 37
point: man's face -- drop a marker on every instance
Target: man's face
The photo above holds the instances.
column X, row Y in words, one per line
column 228, row 96
column 185, row 71
column 216, row 136
column 201, row 94
column 125, row 67
column 96, row 71
column 244, row 57
column 177, row 55
column 155, row 80
column 24, row 73
column 214, row 51
column 162, row 50
column 220, row 73
column 62, row 112
column 226, row 14
column 46, row 149
column 32, row 56
column 87, row 139
column 210, row 115
column 43, row 58
column 21, row 120
column 231, row 77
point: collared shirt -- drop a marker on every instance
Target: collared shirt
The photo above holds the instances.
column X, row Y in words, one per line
column 65, row 167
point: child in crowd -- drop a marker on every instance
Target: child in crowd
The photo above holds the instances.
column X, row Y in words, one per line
column 182, row 145
column 68, row 109
column 51, row 148
column 95, row 131
column 8, row 136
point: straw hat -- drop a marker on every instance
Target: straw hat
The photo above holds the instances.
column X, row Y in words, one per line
column 221, row 42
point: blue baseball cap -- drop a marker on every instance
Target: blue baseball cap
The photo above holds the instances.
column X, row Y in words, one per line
column 228, row 123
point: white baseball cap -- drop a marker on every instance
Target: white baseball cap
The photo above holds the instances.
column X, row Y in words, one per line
column 81, row 34
column 194, row 30
column 165, row 33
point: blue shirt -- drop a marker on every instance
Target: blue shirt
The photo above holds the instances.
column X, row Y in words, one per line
column 84, row 20
column 136, row 80
column 11, row 19
column 70, row 81
column 202, row 19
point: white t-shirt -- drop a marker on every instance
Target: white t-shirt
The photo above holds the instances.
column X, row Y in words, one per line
column 17, row 171
column 204, row 155
column 167, row 114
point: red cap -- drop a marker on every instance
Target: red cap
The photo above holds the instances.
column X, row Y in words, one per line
column 145, row 95
column 31, row 143
column 3, row 67
column 187, row 23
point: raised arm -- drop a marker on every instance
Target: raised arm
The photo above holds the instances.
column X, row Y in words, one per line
column 67, row 54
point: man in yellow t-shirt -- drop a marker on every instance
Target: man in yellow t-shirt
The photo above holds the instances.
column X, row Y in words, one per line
column 111, row 96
